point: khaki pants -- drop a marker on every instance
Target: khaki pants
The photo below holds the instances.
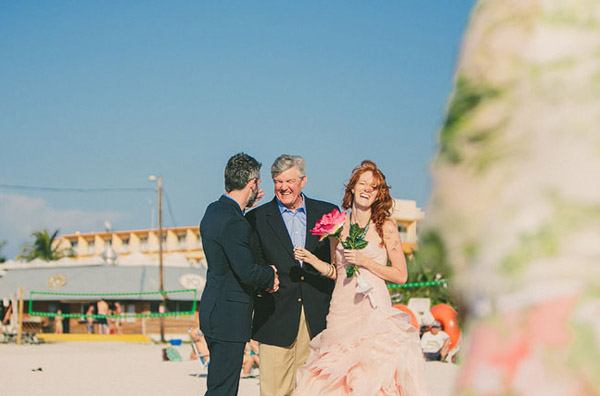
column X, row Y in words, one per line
column 278, row 365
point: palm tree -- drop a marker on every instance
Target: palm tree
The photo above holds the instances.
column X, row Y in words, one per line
column 2, row 258
column 44, row 247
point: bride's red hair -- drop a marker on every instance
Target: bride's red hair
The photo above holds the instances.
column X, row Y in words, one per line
column 382, row 206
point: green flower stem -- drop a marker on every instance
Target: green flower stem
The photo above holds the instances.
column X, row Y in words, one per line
column 355, row 241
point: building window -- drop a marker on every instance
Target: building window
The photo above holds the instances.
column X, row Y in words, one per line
column 125, row 244
column 91, row 247
column 72, row 252
column 131, row 311
column 143, row 243
column 181, row 241
column 403, row 232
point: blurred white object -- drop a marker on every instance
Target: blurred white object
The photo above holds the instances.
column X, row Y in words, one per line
column 421, row 307
column 364, row 287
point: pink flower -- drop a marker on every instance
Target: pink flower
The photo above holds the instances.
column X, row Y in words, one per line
column 329, row 225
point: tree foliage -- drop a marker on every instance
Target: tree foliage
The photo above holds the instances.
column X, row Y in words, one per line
column 428, row 263
column 2, row 258
column 44, row 247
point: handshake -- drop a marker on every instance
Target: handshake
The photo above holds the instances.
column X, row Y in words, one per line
column 275, row 281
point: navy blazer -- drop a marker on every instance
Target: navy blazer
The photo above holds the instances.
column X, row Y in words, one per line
column 277, row 315
column 233, row 275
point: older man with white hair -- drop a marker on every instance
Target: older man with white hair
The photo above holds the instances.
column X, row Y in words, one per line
column 284, row 322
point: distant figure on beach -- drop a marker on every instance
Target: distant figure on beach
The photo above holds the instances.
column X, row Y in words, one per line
column 251, row 362
column 89, row 318
column 118, row 311
column 7, row 312
column 58, row 322
column 102, row 321
column 199, row 348
column 435, row 342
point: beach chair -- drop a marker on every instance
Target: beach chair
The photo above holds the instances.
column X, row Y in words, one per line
column 203, row 359
column 9, row 334
column 452, row 353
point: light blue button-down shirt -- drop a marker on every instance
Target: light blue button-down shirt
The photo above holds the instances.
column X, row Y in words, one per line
column 295, row 222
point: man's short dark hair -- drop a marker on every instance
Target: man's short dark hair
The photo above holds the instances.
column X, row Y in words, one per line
column 240, row 169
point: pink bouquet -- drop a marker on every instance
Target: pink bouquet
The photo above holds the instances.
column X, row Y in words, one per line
column 330, row 224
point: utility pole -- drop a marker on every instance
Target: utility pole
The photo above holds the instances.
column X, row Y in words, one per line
column 19, row 316
column 159, row 191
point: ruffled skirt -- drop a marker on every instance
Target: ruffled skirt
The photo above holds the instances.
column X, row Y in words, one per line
column 376, row 355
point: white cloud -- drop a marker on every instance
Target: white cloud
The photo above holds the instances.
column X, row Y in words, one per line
column 21, row 215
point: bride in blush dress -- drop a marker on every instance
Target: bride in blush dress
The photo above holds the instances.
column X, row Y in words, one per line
column 369, row 348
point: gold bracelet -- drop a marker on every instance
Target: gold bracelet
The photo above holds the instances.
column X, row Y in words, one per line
column 326, row 274
column 330, row 271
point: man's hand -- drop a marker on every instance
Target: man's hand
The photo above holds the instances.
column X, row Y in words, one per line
column 275, row 281
column 259, row 195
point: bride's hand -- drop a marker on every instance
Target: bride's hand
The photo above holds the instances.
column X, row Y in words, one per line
column 354, row 256
column 304, row 255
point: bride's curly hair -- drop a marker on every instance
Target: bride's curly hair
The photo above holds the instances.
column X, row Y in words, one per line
column 382, row 206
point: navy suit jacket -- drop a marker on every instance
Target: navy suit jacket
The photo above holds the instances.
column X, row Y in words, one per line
column 233, row 275
column 277, row 315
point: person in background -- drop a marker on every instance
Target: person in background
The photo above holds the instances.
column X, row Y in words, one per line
column 435, row 343
column 7, row 311
column 103, row 311
column 89, row 318
column 58, row 322
column 118, row 310
column 251, row 362
column 199, row 347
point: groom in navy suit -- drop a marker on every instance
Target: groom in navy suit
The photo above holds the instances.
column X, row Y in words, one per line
column 233, row 275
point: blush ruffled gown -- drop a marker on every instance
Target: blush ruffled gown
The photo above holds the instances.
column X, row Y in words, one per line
column 369, row 348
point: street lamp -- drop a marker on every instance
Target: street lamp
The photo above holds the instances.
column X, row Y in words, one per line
column 109, row 255
column 159, row 191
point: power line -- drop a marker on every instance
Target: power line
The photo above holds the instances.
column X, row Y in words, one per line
column 21, row 187
column 169, row 208
column 72, row 189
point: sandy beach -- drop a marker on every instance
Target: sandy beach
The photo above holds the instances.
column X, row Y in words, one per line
column 128, row 369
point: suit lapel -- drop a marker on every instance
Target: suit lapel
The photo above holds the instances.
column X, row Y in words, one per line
column 311, row 219
column 276, row 222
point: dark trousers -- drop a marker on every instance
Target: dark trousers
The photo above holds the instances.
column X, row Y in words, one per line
column 224, row 368
column 432, row 356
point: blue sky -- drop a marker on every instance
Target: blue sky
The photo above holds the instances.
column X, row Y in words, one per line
column 103, row 94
